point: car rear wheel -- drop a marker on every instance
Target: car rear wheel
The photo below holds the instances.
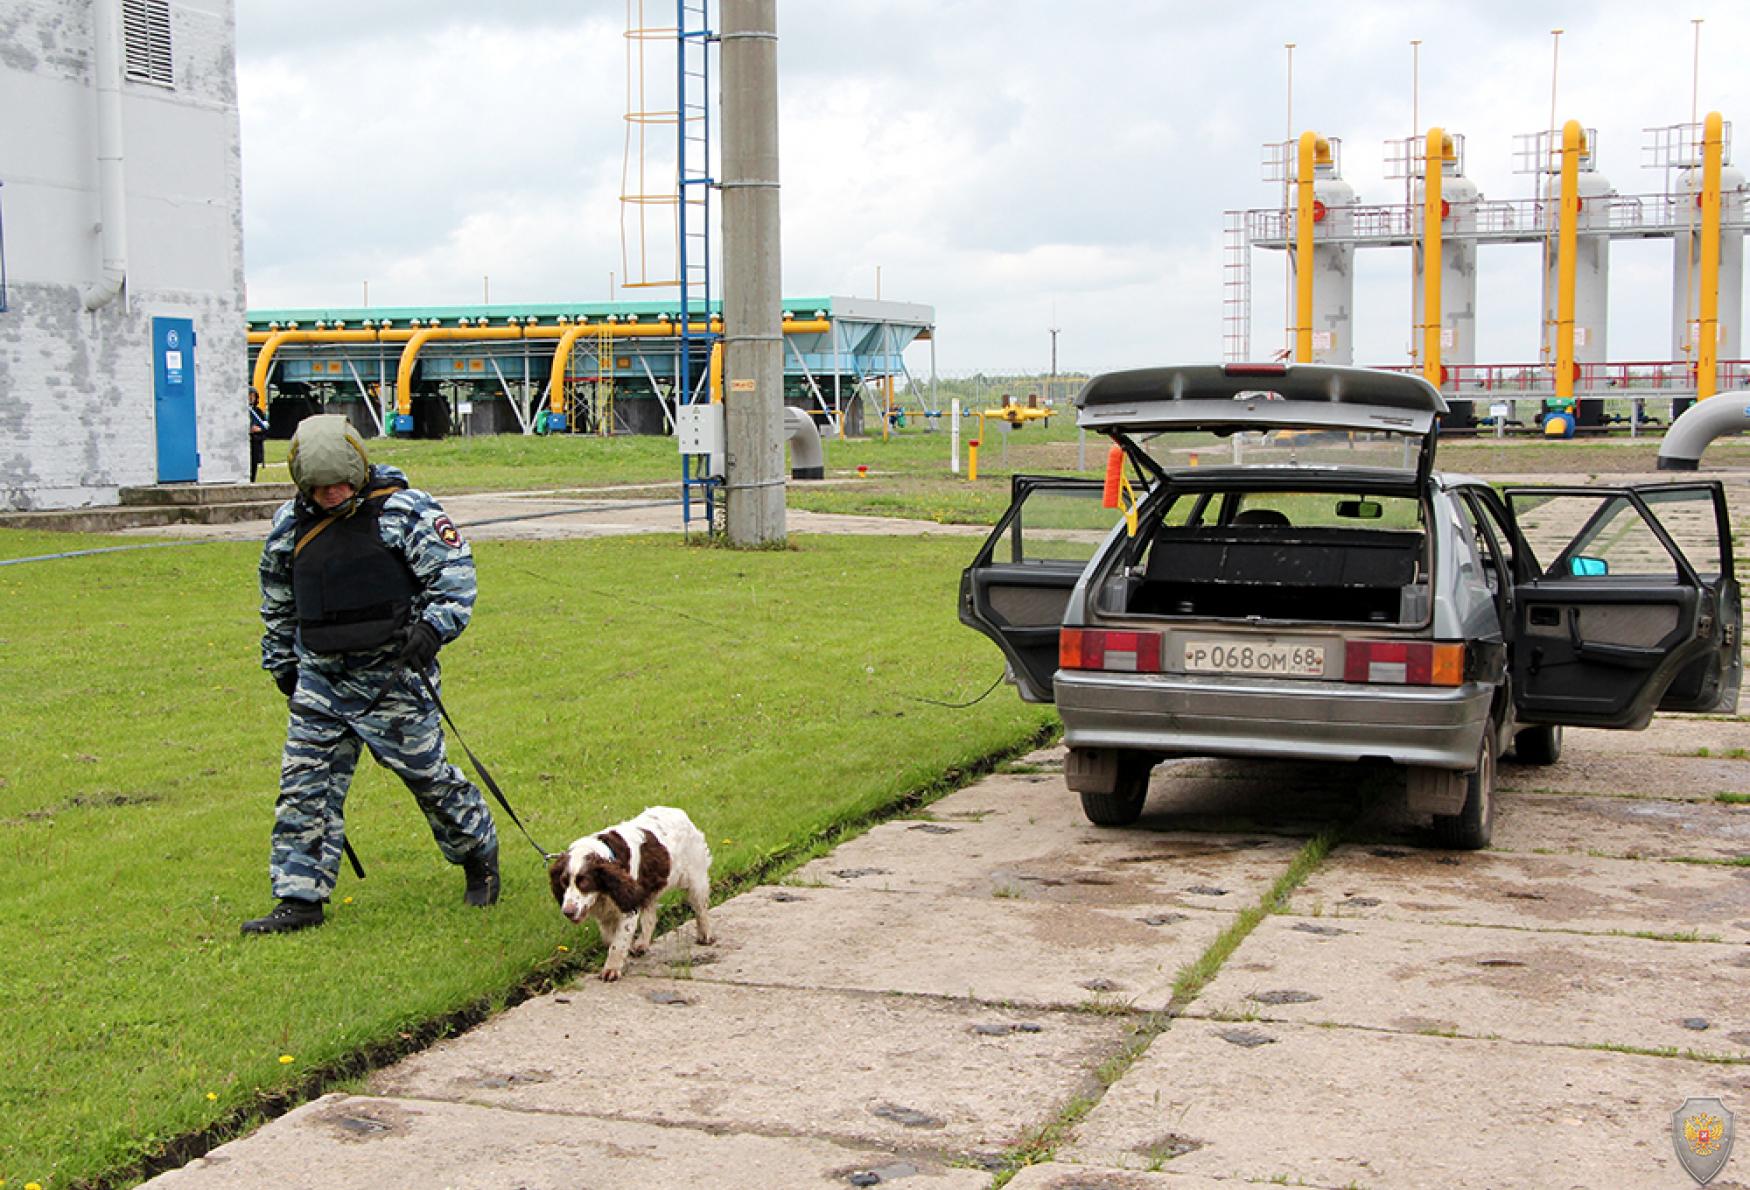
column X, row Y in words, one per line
column 1471, row 828
column 1538, row 745
column 1123, row 806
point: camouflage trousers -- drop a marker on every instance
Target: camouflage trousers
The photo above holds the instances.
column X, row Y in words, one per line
column 323, row 742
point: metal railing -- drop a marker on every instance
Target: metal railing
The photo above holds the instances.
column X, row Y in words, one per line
column 1630, row 379
column 1503, row 219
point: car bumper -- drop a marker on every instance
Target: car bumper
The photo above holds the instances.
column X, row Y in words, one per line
column 1173, row 714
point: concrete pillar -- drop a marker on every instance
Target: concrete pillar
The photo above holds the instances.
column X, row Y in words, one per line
column 753, row 356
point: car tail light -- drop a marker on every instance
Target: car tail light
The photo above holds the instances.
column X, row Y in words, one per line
column 1092, row 648
column 1255, row 369
column 1406, row 663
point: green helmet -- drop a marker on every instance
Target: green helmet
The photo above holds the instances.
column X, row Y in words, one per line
column 327, row 450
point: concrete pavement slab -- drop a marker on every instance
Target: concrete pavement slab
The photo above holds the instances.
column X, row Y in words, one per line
column 1571, row 892
column 901, row 1073
column 1625, row 774
column 350, row 1142
column 1339, row 1107
column 1293, row 798
column 1618, row 826
column 1667, row 735
column 1520, row 985
column 1066, row 1175
column 1054, row 856
column 1004, row 949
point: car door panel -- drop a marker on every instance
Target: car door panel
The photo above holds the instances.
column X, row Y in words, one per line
column 1020, row 582
column 1597, row 656
column 1601, row 649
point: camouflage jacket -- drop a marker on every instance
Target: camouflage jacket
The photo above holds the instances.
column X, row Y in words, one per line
column 413, row 525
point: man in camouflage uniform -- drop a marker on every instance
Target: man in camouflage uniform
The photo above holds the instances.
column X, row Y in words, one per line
column 363, row 579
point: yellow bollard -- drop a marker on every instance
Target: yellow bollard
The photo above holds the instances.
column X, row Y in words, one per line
column 972, row 461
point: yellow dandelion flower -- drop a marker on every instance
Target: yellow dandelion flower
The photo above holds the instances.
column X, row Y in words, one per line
column 33, row 1186
column 564, row 950
column 286, row 1059
column 346, row 900
column 212, row 1096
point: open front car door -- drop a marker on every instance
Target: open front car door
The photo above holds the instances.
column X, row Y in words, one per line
column 1017, row 587
column 1626, row 604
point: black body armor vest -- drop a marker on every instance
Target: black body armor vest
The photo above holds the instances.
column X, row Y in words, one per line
column 352, row 593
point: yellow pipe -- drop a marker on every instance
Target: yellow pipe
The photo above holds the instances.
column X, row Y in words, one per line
column 717, row 372
column 568, row 336
column 417, row 338
column 410, row 353
column 1707, row 360
column 274, row 340
column 972, row 459
column 1573, row 144
column 1303, row 249
column 561, row 361
column 1433, row 173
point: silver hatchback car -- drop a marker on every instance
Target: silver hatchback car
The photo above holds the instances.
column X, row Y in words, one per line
column 1289, row 577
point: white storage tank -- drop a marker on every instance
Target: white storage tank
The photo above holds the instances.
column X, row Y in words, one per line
column 1591, row 274
column 1333, row 304
column 1332, row 258
column 1459, row 198
column 1458, row 267
column 1686, row 265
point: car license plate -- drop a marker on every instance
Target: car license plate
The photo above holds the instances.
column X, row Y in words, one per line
column 1300, row 660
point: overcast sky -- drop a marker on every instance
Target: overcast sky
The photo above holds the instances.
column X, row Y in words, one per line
column 1016, row 165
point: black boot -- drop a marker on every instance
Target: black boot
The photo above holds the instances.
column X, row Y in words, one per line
column 290, row 914
column 481, row 868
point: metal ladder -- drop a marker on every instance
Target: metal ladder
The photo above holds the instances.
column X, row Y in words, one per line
column 1236, row 289
column 604, row 384
column 695, row 40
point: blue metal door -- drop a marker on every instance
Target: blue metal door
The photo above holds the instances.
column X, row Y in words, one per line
column 173, row 393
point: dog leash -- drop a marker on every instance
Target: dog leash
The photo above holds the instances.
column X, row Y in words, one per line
column 485, row 777
column 352, row 856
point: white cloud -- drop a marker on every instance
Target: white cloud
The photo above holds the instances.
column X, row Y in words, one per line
column 1017, row 166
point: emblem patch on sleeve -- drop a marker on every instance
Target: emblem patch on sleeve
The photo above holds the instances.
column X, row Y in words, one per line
column 446, row 531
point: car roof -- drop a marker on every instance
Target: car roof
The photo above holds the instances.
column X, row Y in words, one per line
column 1292, row 382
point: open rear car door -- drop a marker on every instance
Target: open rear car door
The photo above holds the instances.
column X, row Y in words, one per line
column 1626, row 604
column 1017, row 587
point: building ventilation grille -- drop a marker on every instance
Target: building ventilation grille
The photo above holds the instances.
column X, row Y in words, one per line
column 146, row 30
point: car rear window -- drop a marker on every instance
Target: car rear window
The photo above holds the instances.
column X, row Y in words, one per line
column 1299, row 509
column 1377, row 451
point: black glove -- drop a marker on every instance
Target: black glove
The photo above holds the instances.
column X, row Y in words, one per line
column 420, row 648
column 287, row 681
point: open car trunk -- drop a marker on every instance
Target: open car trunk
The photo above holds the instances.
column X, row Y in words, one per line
column 1275, row 572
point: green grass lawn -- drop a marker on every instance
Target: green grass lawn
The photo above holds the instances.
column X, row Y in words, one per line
column 908, row 473
column 768, row 693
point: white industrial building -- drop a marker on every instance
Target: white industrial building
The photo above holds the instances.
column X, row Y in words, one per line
column 123, row 359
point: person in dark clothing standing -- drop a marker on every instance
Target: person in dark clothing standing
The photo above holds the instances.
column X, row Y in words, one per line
column 257, row 437
column 363, row 579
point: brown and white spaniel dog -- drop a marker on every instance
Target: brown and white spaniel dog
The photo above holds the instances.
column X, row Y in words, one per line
column 617, row 876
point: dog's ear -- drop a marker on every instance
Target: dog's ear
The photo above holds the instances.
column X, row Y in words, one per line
column 617, row 846
column 615, row 881
column 559, row 875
